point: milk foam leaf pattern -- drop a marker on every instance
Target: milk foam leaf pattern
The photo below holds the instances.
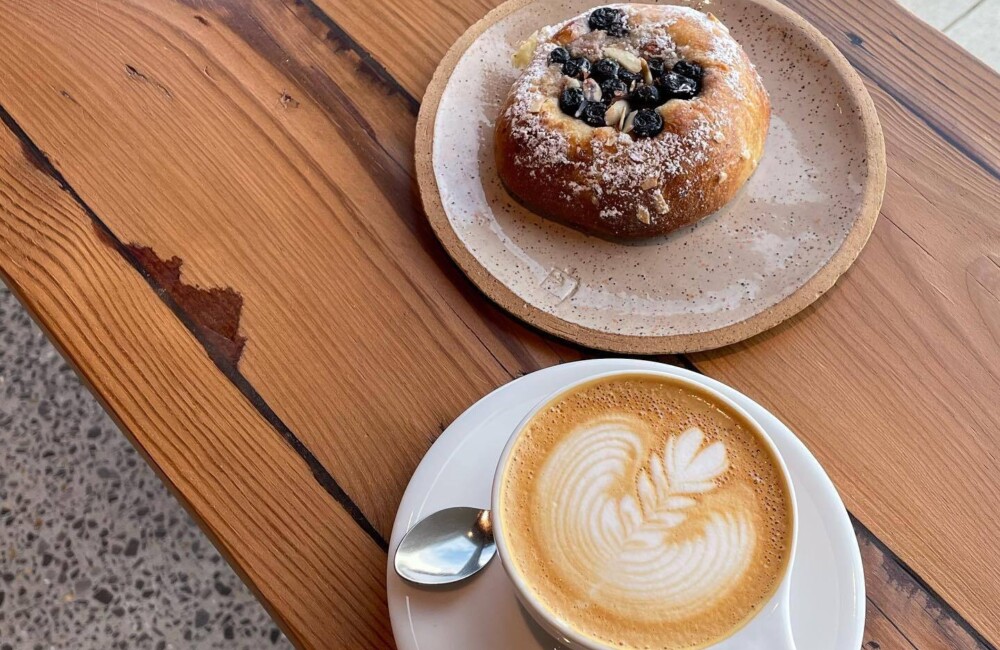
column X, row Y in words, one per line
column 620, row 516
column 686, row 468
column 691, row 468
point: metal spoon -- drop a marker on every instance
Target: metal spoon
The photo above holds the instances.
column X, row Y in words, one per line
column 447, row 546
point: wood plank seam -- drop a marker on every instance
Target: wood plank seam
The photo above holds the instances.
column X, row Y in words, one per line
column 872, row 645
column 947, row 609
column 331, row 24
column 410, row 100
column 368, row 60
column 910, row 106
column 370, row 68
column 903, row 101
column 856, row 40
column 480, row 334
column 51, row 234
column 38, row 158
column 370, row 64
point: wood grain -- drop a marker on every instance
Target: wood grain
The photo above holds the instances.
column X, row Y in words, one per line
column 902, row 612
column 907, row 378
column 234, row 182
column 249, row 490
column 268, row 146
column 950, row 93
column 881, row 633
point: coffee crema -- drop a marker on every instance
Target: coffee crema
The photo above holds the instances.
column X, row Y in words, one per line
column 645, row 513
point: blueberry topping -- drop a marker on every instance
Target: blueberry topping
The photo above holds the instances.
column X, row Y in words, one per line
column 618, row 29
column 646, row 97
column 647, row 123
column 559, row 55
column 602, row 18
column 612, row 89
column 689, row 69
column 570, row 100
column 579, row 68
column 630, row 78
column 605, row 69
column 655, row 67
column 593, row 114
column 676, row 86
column 608, row 19
column 606, row 82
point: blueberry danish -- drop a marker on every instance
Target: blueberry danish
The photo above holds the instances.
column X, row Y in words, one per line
column 630, row 121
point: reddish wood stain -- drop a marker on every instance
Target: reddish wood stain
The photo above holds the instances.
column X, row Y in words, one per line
column 214, row 312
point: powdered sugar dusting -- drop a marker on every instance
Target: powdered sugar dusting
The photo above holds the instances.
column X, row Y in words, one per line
column 544, row 143
column 619, row 170
column 802, row 200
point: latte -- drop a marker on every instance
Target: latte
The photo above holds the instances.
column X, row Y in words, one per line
column 645, row 513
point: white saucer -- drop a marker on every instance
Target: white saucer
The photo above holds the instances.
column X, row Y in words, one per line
column 828, row 590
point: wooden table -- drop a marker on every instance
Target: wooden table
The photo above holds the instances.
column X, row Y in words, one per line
column 209, row 206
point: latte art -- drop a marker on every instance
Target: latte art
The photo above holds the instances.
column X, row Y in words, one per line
column 650, row 548
column 645, row 514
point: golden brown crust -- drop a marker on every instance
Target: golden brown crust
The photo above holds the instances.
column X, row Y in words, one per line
column 609, row 183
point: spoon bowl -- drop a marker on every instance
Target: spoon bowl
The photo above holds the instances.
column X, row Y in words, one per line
column 445, row 547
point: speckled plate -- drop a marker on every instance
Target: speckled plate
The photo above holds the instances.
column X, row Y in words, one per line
column 795, row 227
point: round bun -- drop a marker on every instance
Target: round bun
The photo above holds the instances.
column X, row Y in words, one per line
column 636, row 176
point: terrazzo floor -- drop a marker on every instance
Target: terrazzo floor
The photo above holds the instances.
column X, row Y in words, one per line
column 95, row 553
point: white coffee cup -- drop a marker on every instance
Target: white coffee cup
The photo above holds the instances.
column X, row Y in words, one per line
column 770, row 627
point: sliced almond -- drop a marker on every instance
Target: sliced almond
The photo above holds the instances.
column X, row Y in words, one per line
column 615, row 115
column 659, row 203
column 629, row 122
column 591, row 90
column 526, row 50
column 650, row 183
column 723, row 176
column 535, row 105
column 625, row 59
column 647, row 74
column 642, row 214
column 719, row 136
column 573, row 82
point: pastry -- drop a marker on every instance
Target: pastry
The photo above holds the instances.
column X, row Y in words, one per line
column 631, row 121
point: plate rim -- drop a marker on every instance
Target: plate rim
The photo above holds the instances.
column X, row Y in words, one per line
column 807, row 293
column 596, row 366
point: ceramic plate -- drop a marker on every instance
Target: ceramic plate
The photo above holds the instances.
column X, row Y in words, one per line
column 828, row 590
column 794, row 228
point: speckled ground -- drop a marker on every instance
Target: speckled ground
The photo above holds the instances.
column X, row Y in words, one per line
column 94, row 552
